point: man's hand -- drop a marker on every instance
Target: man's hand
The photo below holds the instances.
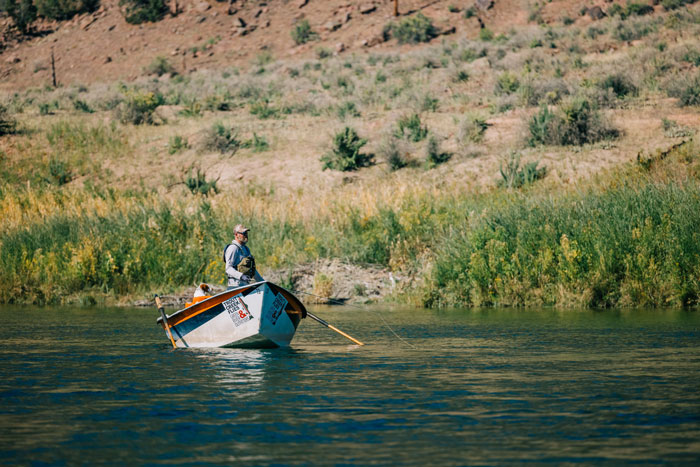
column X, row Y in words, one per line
column 245, row 278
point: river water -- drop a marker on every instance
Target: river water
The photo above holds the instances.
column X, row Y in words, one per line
column 464, row 387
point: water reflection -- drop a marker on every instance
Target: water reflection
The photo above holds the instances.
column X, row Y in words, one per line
column 235, row 368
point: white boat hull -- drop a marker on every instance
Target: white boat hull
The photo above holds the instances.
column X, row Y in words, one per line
column 260, row 315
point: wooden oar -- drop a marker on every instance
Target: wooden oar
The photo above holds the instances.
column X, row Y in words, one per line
column 329, row 326
column 165, row 320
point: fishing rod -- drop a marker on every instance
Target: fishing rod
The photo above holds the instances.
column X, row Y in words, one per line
column 339, row 302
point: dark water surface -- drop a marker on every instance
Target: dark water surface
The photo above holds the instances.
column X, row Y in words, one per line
column 103, row 386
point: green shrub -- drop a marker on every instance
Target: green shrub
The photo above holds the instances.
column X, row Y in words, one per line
column 82, row 106
column 470, row 12
column 594, row 31
column 323, row 53
column 65, row 9
column 414, row 29
column 485, row 34
column 615, row 9
column 620, row 84
column 391, row 152
column 429, row 103
column 632, row 30
column 59, row 172
column 196, row 181
column 22, row 12
column 577, row 122
column 639, row 9
column 673, row 130
column 472, row 129
column 506, row 83
column 345, row 154
column 176, row 144
column 515, row 176
column 257, row 143
column 142, row 11
column 689, row 92
column 263, row 110
column 302, row 32
column 410, row 127
column 434, row 156
column 138, row 107
column 192, row 108
column 222, row 139
column 675, row 4
column 347, row 109
column 8, row 125
column 160, row 66
column 461, row 76
column 691, row 56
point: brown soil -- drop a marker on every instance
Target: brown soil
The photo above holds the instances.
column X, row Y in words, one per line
column 103, row 47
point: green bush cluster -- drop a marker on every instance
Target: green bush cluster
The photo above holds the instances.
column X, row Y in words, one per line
column 575, row 122
column 177, row 144
column 160, row 66
column 513, row 175
column 65, row 9
column 221, row 138
column 22, row 12
column 391, row 152
column 143, row 11
column 620, row 84
column 196, row 181
column 138, row 107
column 675, row 4
column 413, row 29
column 410, row 127
column 345, row 154
column 302, row 32
column 434, row 155
column 506, row 83
column 473, row 128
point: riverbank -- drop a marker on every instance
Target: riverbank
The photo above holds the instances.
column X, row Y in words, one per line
column 321, row 282
column 625, row 238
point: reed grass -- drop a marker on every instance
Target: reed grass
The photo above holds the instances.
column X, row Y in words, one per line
column 628, row 241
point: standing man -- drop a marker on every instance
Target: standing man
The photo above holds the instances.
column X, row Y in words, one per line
column 240, row 264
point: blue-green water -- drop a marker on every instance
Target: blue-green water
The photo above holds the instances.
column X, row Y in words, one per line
column 493, row 387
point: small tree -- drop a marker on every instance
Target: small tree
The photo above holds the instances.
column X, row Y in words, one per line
column 345, row 154
column 22, row 12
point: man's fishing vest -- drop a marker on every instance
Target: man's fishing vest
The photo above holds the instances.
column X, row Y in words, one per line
column 245, row 265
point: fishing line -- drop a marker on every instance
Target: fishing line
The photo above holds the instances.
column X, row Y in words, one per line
column 338, row 302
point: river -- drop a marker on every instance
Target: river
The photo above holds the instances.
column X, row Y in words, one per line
column 461, row 387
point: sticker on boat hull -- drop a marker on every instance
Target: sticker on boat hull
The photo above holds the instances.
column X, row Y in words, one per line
column 277, row 307
column 237, row 310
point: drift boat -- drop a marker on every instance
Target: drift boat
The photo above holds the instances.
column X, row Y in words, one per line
column 260, row 315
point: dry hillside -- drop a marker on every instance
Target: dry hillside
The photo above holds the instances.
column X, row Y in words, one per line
column 103, row 47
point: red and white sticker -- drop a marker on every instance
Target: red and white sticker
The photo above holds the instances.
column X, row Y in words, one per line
column 237, row 310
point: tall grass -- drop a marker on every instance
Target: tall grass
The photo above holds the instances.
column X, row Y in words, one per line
column 632, row 241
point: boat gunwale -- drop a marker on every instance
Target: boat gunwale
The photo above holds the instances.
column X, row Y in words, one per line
column 204, row 305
